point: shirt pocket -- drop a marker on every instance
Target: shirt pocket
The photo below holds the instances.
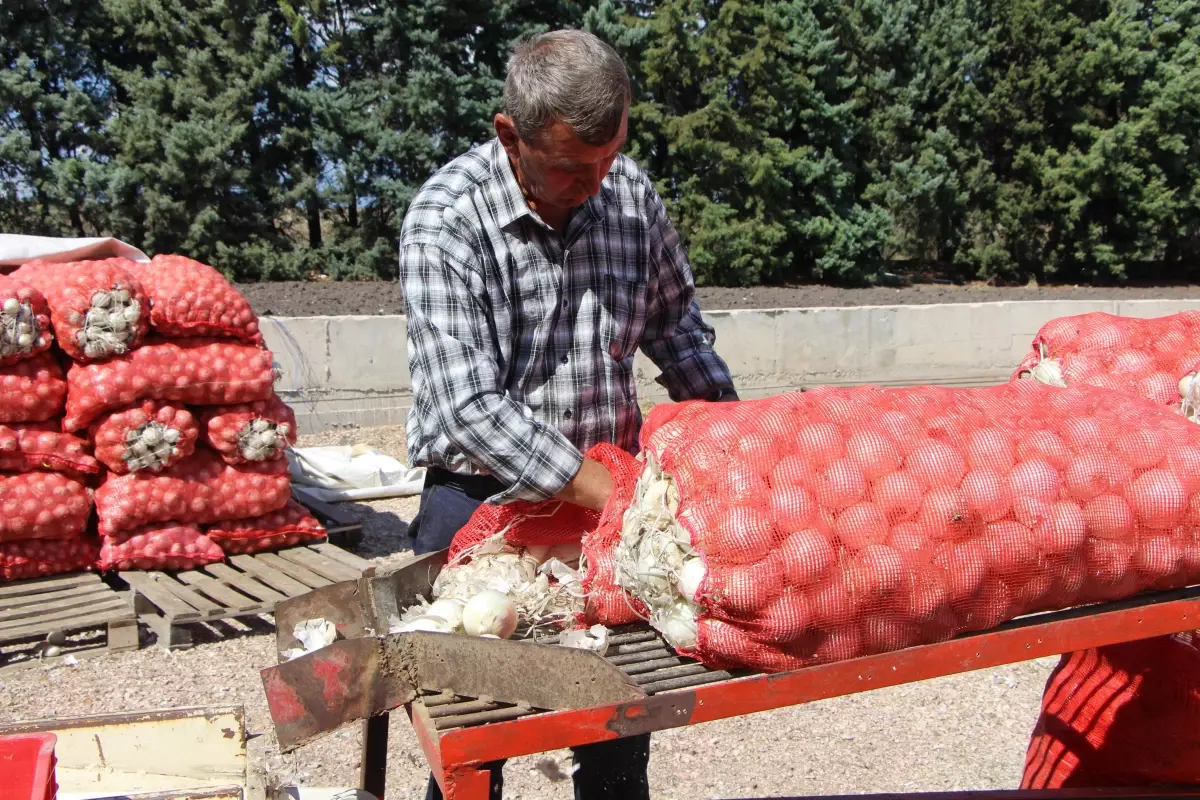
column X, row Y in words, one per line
column 624, row 316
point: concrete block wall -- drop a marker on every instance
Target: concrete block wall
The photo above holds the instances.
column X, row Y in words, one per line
column 352, row 371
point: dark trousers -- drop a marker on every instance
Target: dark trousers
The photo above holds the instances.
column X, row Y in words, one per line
column 603, row 771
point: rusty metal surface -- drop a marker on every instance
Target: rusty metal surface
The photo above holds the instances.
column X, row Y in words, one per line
column 321, row 691
column 357, row 678
column 362, row 607
column 396, row 588
column 538, row 676
column 339, row 603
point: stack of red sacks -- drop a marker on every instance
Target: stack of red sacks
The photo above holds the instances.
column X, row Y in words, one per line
column 169, row 380
column 1122, row 715
column 44, row 498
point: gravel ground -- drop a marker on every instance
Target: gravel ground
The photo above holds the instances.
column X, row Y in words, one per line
column 966, row 731
column 305, row 299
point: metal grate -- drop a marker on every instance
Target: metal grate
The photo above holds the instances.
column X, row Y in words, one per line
column 637, row 650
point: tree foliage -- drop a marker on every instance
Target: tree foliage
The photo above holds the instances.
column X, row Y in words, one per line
column 793, row 140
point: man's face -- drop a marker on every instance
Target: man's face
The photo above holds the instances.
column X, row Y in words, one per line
column 559, row 170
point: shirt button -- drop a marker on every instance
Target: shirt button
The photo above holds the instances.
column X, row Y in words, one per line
column 564, row 359
column 567, row 414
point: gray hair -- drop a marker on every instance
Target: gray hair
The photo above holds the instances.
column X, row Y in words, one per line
column 567, row 76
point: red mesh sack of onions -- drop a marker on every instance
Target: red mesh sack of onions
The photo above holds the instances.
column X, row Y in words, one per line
column 150, row 436
column 1121, row 715
column 169, row 545
column 25, row 447
column 42, row 557
column 24, row 321
column 834, row 523
column 32, row 390
column 546, row 522
column 42, row 505
column 200, row 489
column 188, row 298
column 193, row 371
column 97, row 307
column 290, row 525
column 1151, row 358
column 249, row 431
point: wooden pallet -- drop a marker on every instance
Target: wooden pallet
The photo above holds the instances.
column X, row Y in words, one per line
column 343, row 528
column 32, row 609
column 248, row 585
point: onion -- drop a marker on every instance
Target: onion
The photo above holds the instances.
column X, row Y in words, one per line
column 449, row 610
column 490, row 612
column 427, row 624
column 690, row 578
column 1185, row 385
column 678, row 627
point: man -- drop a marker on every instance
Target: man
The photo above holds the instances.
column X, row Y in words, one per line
column 534, row 267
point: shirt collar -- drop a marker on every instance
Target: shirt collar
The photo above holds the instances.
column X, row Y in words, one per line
column 509, row 201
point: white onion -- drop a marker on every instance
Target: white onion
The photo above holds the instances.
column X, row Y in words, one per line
column 121, row 295
column 679, row 627
column 132, row 311
column 171, row 435
column 283, row 430
column 449, row 610
column 12, row 306
column 101, row 300
column 1185, row 385
column 260, row 425
column 690, row 578
column 490, row 612
column 425, row 623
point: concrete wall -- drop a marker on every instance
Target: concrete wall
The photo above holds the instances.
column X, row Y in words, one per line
column 342, row 371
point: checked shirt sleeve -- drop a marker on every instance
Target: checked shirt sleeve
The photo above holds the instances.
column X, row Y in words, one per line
column 454, row 371
column 676, row 338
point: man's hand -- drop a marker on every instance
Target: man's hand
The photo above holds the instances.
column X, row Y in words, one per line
column 590, row 487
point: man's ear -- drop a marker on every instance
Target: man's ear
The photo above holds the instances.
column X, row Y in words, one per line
column 507, row 132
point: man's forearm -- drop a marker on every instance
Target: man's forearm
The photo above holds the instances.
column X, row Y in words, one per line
column 590, row 488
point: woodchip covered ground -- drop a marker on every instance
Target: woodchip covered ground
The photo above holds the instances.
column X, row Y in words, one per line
column 967, row 731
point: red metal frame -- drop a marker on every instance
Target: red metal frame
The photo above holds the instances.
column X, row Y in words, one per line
column 455, row 755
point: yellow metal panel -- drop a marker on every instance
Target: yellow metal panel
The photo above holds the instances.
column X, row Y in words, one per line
column 180, row 748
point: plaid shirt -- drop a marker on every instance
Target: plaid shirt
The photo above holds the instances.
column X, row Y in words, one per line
column 521, row 340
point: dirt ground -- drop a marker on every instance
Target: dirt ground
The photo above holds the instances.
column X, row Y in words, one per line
column 301, row 299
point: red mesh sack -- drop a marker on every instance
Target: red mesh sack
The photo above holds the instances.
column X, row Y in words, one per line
column 24, row 321
column 188, row 298
column 249, row 431
column 42, row 557
column 42, row 505
column 1149, row 358
column 169, row 545
column 835, row 523
column 149, row 436
column 200, row 489
column 194, row 371
column 553, row 522
column 547, row 522
column 290, row 525
column 32, row 390
column 1122, row 715
column 97, row 307
column 26, row 447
